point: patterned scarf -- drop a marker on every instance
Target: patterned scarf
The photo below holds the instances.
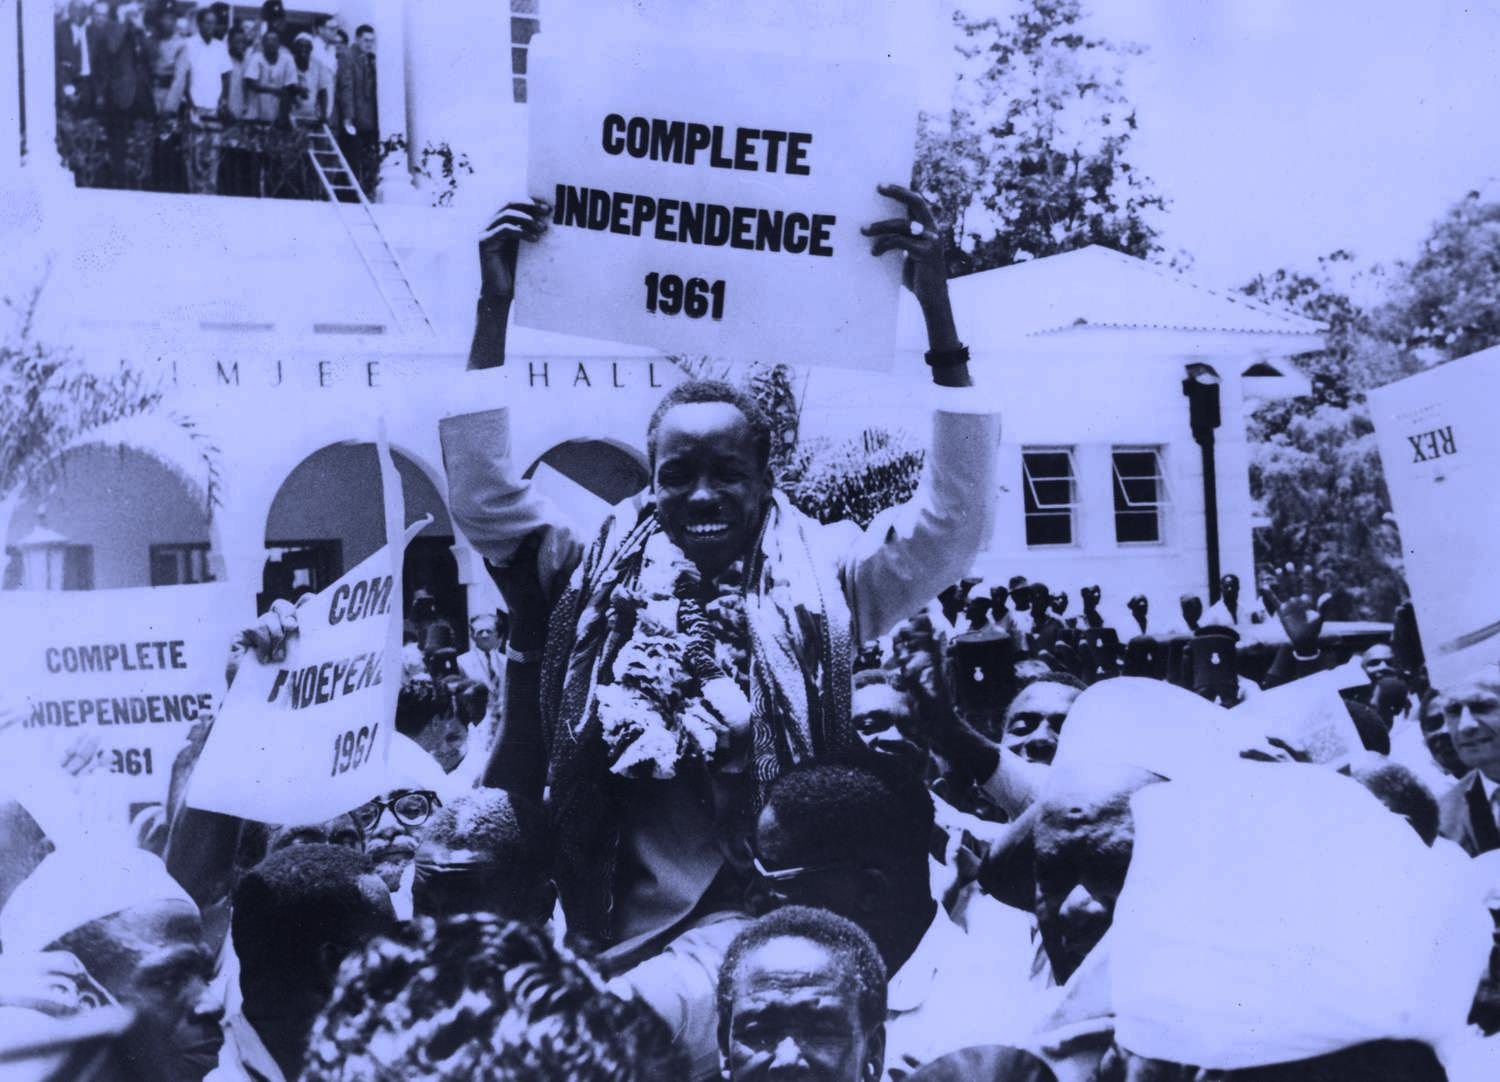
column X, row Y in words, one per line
column 801, row 659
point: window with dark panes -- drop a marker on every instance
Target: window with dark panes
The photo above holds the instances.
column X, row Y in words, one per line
column 1140, row 495
column 1050, row 490
column 524, row 23
column 179, row 565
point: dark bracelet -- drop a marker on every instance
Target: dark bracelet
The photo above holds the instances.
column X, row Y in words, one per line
column 948, row 358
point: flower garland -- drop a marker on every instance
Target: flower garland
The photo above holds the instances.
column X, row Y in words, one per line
column 673, row 678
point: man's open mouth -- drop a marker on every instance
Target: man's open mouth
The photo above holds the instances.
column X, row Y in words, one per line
column 708, row 529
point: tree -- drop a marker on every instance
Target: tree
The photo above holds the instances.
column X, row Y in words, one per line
column 49, row 398
column 829, row 480
column 1446, row 302
column 1314, row 464
column 1033, row 158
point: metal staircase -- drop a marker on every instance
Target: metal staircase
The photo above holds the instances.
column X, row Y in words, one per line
column 348, row 198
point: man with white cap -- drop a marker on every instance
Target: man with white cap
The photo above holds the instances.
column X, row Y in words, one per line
column 1279, row 923
column 139, row 935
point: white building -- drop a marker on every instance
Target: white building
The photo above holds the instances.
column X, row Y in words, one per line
column 265, row 321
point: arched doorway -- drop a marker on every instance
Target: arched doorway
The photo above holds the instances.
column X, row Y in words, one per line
column 585, row 477
column 115, row 516
column 327, row 517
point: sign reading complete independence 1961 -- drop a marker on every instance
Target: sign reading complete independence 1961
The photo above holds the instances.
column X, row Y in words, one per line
column 710, row 202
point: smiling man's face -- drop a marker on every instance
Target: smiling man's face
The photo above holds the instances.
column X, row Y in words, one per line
column 710, row 483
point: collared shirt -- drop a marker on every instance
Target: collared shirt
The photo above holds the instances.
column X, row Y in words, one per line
column 81, row 42
column 272, row 76
column 315, row 78
column 958, row 990
column 244, row 1056
column 207, row 64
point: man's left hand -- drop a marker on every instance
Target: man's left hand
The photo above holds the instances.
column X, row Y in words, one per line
column 917, row 234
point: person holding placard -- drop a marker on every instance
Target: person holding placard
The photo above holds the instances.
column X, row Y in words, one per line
column 704, row 641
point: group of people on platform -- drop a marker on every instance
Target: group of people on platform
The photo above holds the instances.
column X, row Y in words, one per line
column 211, row 95
column 757, row 797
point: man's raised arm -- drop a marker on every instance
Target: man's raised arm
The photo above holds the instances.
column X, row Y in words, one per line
column 909, row 553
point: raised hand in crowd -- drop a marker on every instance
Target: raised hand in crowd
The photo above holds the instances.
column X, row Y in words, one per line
column 1091, row 596
column 1192, row 610
column 925, row 273
column 1139, row 608
column 267, row 637
column 1300, row 606
column 499, row 248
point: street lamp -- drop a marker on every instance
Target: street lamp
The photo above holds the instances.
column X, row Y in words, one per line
column 1201, row 386
column 43, row 553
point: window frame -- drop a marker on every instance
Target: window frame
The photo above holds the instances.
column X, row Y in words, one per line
column 1123, row 504
column 186, row 554
column 1033, row 508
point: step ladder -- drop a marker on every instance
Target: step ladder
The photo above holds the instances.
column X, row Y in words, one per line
column 342, row 188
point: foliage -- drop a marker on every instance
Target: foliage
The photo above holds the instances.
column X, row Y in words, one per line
column 264, row 160
column 857, row 478
column 48, row 399
column 1314, row 463
column 1446, row 303
column 1033, row 158
column 829, row 480
column 437, row 163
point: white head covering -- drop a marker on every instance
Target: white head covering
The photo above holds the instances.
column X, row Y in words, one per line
column 1151, row 724
column 75, row 886
column 1280, row 912
column 411, row 767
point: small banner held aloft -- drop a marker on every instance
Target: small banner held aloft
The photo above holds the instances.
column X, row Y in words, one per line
column 134, row 668
column 1440, row 449
column 307, row 738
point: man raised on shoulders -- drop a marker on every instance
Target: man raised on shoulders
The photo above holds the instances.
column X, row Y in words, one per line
column 646, row 800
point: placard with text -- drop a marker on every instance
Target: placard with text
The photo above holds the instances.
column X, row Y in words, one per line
column 1440, row 451
column 710, row 201
column 134, row 667
column 303, row 739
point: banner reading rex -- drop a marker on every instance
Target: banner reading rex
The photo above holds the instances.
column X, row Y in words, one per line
column 710, row 201
column 1440, row 450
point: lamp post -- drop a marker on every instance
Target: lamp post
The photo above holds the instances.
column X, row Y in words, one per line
column 43, row 554
column 1201, row 386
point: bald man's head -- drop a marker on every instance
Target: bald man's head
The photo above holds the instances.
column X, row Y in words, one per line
column 1083, row 838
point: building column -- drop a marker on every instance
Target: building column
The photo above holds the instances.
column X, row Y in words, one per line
column 397, row 185
column 10, row 89
column 39, row 85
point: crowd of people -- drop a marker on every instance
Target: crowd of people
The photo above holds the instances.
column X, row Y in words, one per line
column 727, row 792
column 174, row 97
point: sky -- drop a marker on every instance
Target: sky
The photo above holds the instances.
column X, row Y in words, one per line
column 1283, row 129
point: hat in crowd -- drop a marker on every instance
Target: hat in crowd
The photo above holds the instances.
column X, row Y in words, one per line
column 1278, row 913
column 303, row 36
column 411, row 767
column 75, row 886
column 439, row 637
column 1151, row 724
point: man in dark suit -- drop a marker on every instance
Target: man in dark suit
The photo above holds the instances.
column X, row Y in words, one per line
column 73, row 55
column 122, row 82
column 1470, row 811
column 358, row 116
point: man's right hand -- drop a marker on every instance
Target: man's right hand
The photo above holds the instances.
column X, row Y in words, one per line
column 499, row 245
column 268, row 636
